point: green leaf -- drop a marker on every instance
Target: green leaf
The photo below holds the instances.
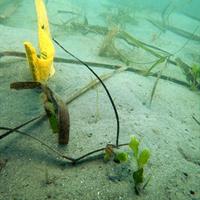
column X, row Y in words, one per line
column 143, row 158
column 121, row 157
column 51, row 114
column 195, row 69
column 138, row 176
column 195, row 72
column 53, row 123
column 134, row 144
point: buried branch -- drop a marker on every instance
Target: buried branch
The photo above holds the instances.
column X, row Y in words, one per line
column 70, row 159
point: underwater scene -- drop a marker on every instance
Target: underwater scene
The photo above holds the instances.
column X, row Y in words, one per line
column 100, row 99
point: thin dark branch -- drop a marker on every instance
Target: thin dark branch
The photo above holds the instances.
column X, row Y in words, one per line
column 18, row 127
column 88, row 154
column 96, row 151
column 195, row 119
column 103, row 84
column 72, row 160
column 41, row 142
column 187, row 41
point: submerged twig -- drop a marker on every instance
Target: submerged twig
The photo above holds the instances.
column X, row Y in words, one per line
column 108, row 48
column 158, row 78
column 102, row 65
column 72, row 160
column 187, row 41
column 96, row 151
column 191, row 16
column 122, row 35
column 18, row 127
column 63, row 123
column 28, row 85
column 55, row 108
column 25, row 85
column 57, row 113
column 195, row 119
column 41, row 142
column 166, row 13
column 93, row 83
column 175, row 30
column 104, row 86
column 159, row 61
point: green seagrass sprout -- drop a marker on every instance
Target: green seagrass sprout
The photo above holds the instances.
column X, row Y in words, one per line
column 195, row 72
column 141, row 158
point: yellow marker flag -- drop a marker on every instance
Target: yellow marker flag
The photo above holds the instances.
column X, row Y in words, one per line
column 41, row 66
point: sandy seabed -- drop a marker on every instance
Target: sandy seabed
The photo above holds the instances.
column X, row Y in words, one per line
column 31, row 171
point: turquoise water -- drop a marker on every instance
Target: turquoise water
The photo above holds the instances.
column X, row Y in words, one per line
column 146, row 53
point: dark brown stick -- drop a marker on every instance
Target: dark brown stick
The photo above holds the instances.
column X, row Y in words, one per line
column 61, row 112
column 64, row 123
column 102, row 65
column 25, row 85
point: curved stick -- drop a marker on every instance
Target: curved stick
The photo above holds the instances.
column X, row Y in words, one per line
column 104, row 86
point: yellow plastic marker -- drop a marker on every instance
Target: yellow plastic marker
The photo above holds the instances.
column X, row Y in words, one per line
column 41, row 66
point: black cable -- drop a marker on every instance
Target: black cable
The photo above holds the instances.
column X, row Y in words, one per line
column 104, row 86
